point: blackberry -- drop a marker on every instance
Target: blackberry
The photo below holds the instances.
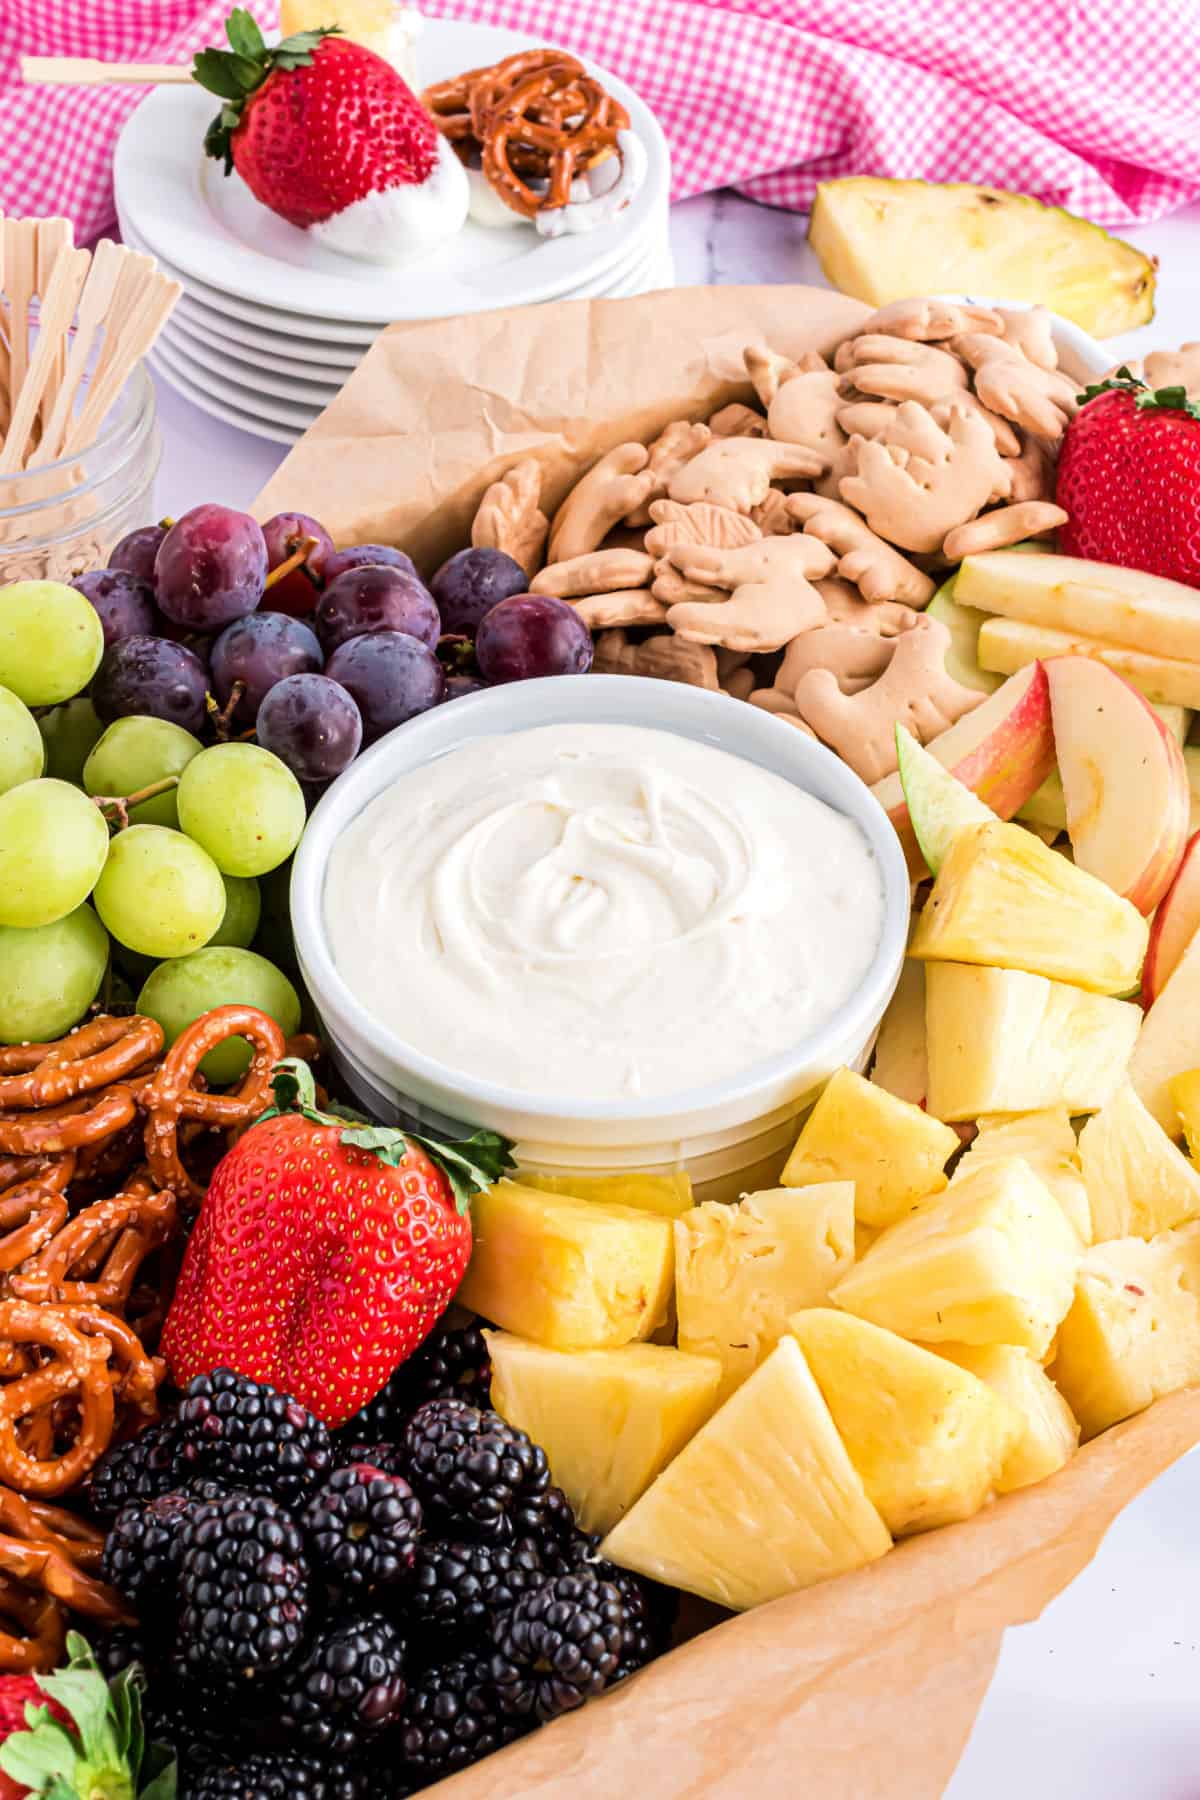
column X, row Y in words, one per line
column 547, row 1517
column 275, row 1775
column 247, row 1435
column 650, row 1608
column 362, row 1528
column 141, row 1552
column 452, row 1364
column 243, row 1589
column 349, row 1687
column 387, row 1457
column 453, row 1718
column 140, row 1469
column 559, row 1645
column 472, row 1471
column 114, row 1650
column 457, row 1589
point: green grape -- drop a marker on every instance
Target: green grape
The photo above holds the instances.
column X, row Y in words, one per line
column 53, row 843
column 160, row 894
column 68, row 732
column 51, row 641
column 49, row 976
column 274, row 938
column 243, row 805
column 22, row 752
column 180, row 990
column 243, row 908
column 134, row 753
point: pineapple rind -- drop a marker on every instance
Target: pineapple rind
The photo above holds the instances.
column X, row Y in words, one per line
column 1003, row 1041
column 894, row 1153
column 1046, row 1141
column 928, row 1444
column 666, row 1194
column 762, row 1502
column 568, row 1273
column 609, row 1420
column 1133, row 1331
column 1139, row 1183
column 1004, row 899
column 740, row 1271
column 990, row 1261
column 1049, row 1431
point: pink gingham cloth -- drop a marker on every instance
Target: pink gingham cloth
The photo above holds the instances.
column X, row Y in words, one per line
column 1090, row 104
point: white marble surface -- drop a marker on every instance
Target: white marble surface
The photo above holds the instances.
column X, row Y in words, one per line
column 1101, row 1697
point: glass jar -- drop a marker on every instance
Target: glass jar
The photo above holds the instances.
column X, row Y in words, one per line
column 61, row 519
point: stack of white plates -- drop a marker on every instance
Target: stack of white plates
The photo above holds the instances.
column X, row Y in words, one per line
column 270, row 324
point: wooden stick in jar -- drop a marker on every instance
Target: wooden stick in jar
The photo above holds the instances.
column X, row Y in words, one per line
column 90, row 71
column 54, row 236
column 104, row 276
column 57, row 310
column 141, row 330
column 20, row 269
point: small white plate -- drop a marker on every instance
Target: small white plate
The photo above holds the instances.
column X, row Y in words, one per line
column 181, row 205
column 219, row 409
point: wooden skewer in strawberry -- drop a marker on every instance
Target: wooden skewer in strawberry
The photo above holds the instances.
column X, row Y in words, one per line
column 325, row 1251
column 325, row 133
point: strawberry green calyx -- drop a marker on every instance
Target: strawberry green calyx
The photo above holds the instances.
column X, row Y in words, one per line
column 469, row 1164
column 237, row 73
column 1146, row 399
column 104, row 1756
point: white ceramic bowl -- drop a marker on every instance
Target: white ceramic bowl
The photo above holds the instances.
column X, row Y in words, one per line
column 716, row 1132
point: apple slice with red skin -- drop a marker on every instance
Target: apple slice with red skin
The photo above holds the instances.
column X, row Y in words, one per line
column 1002, row 750
column 1124, row 780
column 1174, row 926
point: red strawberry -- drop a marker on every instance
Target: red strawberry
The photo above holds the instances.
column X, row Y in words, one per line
column 16, row 1693
column 314, row 123
column 1129, row 477
column 325, row 1252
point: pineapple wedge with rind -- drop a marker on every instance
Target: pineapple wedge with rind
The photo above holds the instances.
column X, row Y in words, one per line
column 1139, row 1183
column 1004, row 899
column 990, row 1261
column 883, row 240
column 1049, row 1433
column 762, row 1502
column 568, row 1273
column 669, row 1195
column 1133, row 1331
column 894, row 1153
column 1047, row 1143
column 929, row 1443
column 609, row 1420
column 1002, row 1041
column 740, row 1271
column 901, row 1060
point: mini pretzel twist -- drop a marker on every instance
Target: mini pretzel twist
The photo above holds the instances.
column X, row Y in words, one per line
column 103, row 1247
column 42, row 1623
column 90, row 1119
column 94, row 1056
column 566, row 116
column 78, row 1367
column 171, row 1096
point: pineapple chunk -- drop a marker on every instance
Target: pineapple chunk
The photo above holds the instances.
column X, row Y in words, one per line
column 666, row 1194
column 1047, row 1143
column 1003, row 898
column 608, row 1420
column 884, row 240
column 1049, row 1429
column 1133, row 1332
column 901, row 1061
column 990, row 1261
column 929, row 1445
column 741, row 1270
column 1169, row 1041
column 1001, row 1041
column 568, row 1273
column 1185, row 1097
column 893, row 1152
column 763, row 1501
column 1138, row 1182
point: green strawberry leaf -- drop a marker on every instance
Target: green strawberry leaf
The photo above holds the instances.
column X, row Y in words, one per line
column 159, row 1774
column 241, row 28
column 469, row 1165
column 44, row 1750
column 226, row 74
column 1168, row 399
column 1123, row 382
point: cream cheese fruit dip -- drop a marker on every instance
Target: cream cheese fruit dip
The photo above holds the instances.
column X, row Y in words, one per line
column 600, row 912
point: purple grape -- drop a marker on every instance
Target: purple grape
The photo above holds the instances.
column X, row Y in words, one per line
column 124, row 602
column 458, row 685
column 376, row 599
column 211, row 568
column 259, row 651
column 298, row 592
column 471, row 583
column 391, row 676
column 312, row 725
column 151, row 675
column 362, row 556
column 529, row 635
column 137, row 550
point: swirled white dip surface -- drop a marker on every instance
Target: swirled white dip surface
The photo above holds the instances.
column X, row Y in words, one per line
column 600, row 912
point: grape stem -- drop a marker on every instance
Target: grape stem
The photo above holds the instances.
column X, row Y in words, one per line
column 222, row 716
column 115, row 807
column 297, row 560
